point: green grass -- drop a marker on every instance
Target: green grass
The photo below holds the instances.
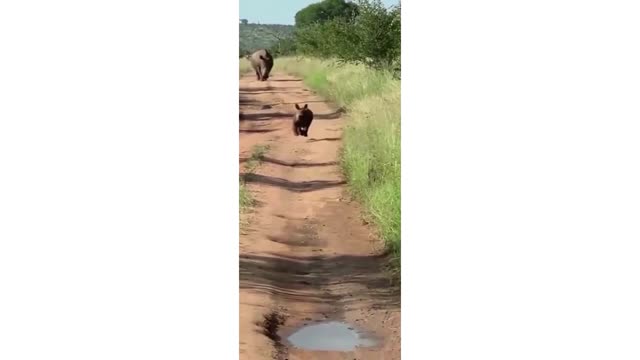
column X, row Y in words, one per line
column 257, row 154
column 371, row 144
column 246, row 199
column 245, row 66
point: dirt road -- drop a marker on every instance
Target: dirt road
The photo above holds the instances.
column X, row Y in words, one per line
column 306, row 255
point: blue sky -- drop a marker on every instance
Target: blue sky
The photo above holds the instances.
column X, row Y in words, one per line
column 279, row 11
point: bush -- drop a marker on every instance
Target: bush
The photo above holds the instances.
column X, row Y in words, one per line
column 324, row 11
column 371, row 38
column 284, row 47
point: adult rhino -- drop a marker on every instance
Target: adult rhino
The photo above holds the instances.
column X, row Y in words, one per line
column 262, row 63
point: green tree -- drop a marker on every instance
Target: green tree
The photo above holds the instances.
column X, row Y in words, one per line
column 285, row 46
column 377, row 33
column 371, row 38
column 324, row 11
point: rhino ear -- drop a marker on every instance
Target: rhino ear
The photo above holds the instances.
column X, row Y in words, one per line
column 305, row 106
column 297, row 107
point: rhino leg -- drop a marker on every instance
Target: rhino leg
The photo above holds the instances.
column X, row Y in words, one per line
column 255, row 68
column 263, row 72
column 259, row 72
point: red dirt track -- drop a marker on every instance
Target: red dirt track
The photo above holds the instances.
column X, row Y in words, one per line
column 306, row 255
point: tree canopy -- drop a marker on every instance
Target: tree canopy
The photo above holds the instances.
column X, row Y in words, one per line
column 325, row 10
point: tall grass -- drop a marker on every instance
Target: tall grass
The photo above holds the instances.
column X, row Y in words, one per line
column 245, row 66
column 246, row 198
column 371, row 144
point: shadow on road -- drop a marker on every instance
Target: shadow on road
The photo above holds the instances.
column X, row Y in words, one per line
column 306, row 279
column 258, row 131
column 295, row 186
column 265, row 116
column 325, row 139
column 271, row 160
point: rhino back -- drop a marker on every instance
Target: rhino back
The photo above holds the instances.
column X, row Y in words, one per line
column 263, row 57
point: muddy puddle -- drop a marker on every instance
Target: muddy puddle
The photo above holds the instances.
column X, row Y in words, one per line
column 329, row 336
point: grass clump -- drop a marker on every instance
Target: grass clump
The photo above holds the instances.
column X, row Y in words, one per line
column 371, row 143
column 245, row 66
column 257, row 154
column 246, row 200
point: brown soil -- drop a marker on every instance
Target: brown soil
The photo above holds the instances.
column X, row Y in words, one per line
column 306, row 255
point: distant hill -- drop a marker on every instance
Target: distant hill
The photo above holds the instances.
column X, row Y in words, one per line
column 256, row 36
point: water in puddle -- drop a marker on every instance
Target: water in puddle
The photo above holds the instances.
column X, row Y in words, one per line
column 328, row 336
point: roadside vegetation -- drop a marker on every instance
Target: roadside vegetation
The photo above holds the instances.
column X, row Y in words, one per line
column 250, row 165
column 256, row 36
column 245, row 66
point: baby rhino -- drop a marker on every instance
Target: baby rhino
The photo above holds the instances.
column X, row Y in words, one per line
column 302, row 120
